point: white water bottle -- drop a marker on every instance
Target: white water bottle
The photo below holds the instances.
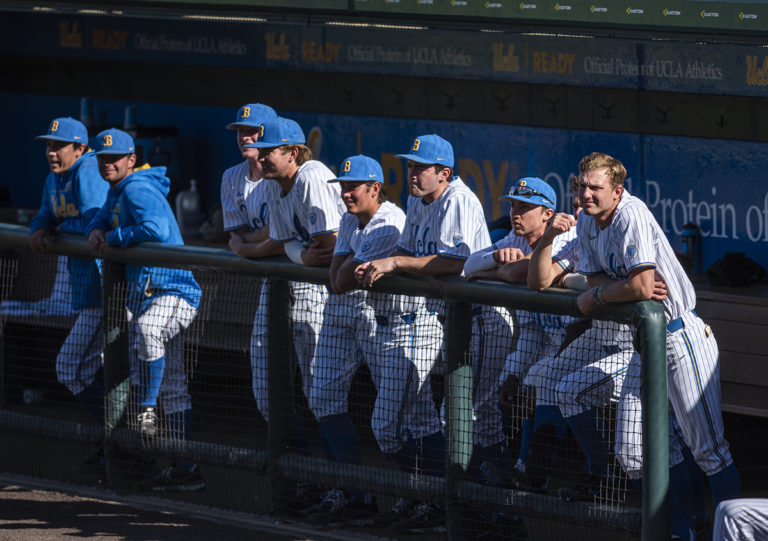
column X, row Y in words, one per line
column 188, row 213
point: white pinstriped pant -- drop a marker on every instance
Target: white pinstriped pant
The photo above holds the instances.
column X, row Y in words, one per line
column 82, row 353
column 406, row 347
column 307, row 319
column 492, row 339
column 156, row 333
column 742, row 519
column 693, row 386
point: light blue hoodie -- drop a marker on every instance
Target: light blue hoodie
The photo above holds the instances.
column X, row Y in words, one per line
column 70, row 200
column 137, row 211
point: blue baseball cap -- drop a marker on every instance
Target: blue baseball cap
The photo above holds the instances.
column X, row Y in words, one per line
column 65, row 129
column 252, row 115
column 430, row 149
column 114, row 141
column 360, row 169
column 532, row 190
column 277, row 132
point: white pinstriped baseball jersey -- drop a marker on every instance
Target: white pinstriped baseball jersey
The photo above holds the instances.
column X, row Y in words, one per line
column 634, row 240
column 312, row 207
column 453, row 225
column 246, row 202
column 374, row 241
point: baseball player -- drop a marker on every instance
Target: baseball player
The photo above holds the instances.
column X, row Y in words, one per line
column 444, row 224
column 73, row 193
column 622, row 250
column 369, row 230
column 304, row 221
column 587, row 372
column 246, row 200
column 161, row 302
column 244, row 205
column 533, row 206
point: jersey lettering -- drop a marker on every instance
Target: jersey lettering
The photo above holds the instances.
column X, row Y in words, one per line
column 301, row 234
column 62, row 209
column 422, row 245
column 616, row 266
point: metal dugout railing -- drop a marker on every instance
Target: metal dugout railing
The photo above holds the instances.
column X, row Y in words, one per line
column 647, row 317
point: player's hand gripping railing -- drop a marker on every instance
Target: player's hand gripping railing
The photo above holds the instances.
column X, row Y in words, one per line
column 646, row 317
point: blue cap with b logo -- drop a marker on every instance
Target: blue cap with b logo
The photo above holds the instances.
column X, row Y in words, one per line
column 252, row 115
column 533, row 190
column 360, row 169
column 114, row 141
column 67, row 130
column 430, row 149
column 277, row 132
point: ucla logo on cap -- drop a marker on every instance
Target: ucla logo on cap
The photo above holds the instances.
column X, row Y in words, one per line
column 347, row 165
column 54, row 125
column 416, row 144
column 246, row 112
column 261, row 131
column 522, row 183
column 107, row 140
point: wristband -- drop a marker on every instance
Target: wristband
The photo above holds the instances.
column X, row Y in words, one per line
column 597, row 295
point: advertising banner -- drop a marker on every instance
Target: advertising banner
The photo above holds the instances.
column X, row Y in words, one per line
column 406, row 51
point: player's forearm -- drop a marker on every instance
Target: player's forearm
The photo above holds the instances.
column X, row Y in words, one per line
column 638, row 287
column 431, row 265
column 540, row 267
column 265, row 248
column 255, row 236
column 343, row 273
column 514, row 272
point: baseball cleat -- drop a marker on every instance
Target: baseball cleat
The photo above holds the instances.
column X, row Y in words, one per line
column 148, row 422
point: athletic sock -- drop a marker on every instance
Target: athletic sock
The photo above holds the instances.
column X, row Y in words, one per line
column 151, row 376
column 698, row 486
column 431, row 450
column 342, row 438
column 585, row 427
column 92, row 398
column 680, row 511
column 180, row 424
column 725, row 485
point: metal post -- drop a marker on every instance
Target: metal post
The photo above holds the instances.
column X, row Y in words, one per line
column 457, row 334
column 280, row 374
column 116, row 370
column 650, row 341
